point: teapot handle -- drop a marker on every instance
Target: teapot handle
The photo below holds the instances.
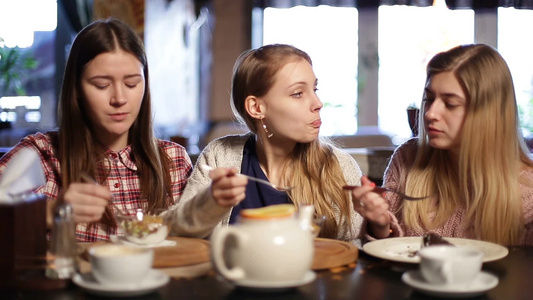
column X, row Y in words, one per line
column 217, row 250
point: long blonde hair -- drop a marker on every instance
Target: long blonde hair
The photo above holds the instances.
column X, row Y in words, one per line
column 485, row 179
column 313, row 167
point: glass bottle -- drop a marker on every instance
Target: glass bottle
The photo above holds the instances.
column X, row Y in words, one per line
column 63, row 263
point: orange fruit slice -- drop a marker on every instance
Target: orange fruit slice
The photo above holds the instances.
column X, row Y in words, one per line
column 268, row 212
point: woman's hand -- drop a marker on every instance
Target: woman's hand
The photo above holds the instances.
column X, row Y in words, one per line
column 372, row 207
column 88, row 201
column 227, row 188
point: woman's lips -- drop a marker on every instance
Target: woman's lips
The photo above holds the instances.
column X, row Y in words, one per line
column 432, row 130
column 316, row 123
column 119, row 116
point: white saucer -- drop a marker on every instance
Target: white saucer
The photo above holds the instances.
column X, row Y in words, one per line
column 270, row 286
column 154, row 280
column 482, row 283
column 123, row 241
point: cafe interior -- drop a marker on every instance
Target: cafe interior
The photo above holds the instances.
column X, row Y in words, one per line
column 369, row 110
column 192, row 45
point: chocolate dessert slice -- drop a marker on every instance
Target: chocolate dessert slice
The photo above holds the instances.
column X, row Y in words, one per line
column 432, row 239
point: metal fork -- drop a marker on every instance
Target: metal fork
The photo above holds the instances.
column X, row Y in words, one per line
column 279, row 188
column 380, row 189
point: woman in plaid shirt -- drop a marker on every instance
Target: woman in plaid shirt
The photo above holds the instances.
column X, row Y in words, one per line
column 106, row 131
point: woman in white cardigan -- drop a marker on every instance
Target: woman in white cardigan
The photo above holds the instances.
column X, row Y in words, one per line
column 274, row 94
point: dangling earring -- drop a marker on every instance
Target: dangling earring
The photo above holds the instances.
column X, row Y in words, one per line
column 269, row 135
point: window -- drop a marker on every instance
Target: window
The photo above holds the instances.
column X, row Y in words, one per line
column 517, row 50
column 409, row 37
column 27, row 32
column 329, row 36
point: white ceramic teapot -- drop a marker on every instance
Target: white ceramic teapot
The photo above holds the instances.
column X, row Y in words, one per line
column 267, row 245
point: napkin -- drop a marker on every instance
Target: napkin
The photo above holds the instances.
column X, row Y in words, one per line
column 23, row 173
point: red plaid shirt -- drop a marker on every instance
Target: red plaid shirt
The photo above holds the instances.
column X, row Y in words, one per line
column 123, row 180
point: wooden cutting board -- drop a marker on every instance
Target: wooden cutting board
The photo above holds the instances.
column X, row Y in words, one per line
column 187, row 251
column 329, row 253
column 333, row 253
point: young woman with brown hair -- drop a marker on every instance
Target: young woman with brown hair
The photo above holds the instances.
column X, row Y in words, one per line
column 106, row 132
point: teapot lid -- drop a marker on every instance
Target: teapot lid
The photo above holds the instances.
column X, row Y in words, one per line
column 269, row 212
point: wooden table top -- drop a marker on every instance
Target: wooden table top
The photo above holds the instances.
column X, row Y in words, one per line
column 368, row 278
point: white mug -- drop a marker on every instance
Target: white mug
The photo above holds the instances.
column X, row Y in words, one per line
column 119, row 264
column 263, row 250
column 450, row 265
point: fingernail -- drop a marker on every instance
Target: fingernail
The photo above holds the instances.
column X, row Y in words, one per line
column 372, row 184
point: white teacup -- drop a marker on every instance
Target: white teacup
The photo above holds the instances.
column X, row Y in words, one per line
column 263, row 250
column 119, row 264
column 449, row 265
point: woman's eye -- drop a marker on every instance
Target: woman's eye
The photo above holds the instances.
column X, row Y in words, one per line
column 100, row 84
column 133, row 82
column 450, row 105
column 297, row 95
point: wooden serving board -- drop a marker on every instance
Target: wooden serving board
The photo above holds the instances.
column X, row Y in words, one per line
column 187, row 251
column 331, row 253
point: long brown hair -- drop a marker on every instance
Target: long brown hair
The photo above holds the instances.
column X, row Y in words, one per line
column 492, row 152
column 78, row 148
column 313, row 167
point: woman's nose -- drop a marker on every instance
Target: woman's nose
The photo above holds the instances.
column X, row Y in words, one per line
column 432, row 112
column 118, row 98
column 317, row 104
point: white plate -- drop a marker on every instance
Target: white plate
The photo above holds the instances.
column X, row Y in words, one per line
column 154, row 280
column 269, row 286
column 481, row 284
column 404, row 249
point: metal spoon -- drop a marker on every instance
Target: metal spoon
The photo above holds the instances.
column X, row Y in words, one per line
column 279, row 188
column 89, row 179
column 380, row 189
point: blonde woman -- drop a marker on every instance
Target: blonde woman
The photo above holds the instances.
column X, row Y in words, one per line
column 469, row 155
column 274, row 94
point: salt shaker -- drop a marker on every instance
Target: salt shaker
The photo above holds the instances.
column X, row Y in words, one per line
column 63, row 244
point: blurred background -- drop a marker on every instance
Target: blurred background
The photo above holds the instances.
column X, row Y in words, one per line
column 369, row 57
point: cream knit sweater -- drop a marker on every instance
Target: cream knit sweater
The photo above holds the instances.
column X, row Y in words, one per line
column 196, row 214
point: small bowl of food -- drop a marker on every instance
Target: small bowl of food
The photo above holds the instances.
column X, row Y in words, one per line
column 309, row 219
column 144, row 228
column 317, row 224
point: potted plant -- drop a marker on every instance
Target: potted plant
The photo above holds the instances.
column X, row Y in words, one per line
column 412, row 117
column 15, row 65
